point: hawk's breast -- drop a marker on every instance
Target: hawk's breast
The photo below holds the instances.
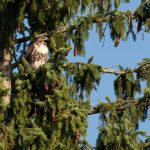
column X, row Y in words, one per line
column 39, row 55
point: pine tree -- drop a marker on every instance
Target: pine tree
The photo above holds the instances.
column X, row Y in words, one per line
column 46, row 108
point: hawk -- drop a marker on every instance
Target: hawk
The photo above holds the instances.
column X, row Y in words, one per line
column 37, row 54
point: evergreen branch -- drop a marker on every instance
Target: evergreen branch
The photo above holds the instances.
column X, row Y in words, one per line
column 25, row 39
column 108, row 70
column 95, row 19
column 118, row 72
column 64, row 29
column 121, row 105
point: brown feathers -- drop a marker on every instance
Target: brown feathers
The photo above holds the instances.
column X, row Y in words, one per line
column 37, row 53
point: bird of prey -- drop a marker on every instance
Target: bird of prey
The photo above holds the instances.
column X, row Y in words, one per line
column 37, row 54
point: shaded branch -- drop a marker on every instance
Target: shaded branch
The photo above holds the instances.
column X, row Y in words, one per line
column 59, row 31
column 147, row 145
column 24, row 39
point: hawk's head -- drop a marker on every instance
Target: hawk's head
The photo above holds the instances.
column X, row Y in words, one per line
column 41, row 39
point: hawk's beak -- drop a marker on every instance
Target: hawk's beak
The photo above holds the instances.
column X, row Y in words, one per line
column 46, row 39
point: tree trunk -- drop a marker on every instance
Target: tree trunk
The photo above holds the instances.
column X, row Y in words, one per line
column 5, row 68
column 7, row 28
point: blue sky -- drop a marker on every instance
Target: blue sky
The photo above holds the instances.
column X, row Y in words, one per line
column 127, row 54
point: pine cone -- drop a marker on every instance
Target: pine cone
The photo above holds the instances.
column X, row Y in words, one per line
column 117, row 41
column 54, row 117
column 46, row 87
column 28, row 147
column 18, row 27
column 78, row 135
column 75, row 51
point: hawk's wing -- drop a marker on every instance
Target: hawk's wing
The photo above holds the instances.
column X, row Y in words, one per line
column 29, row 52
column 37, row 54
